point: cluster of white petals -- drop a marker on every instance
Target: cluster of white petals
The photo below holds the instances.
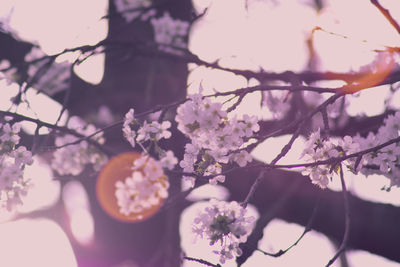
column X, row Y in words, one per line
column 318, row 149
column 13, row 159
column 132, row 9
column 215, row 140
column 152, row 131
column 170, row 33
column 145, row 188
column 149, row 131
column 71, row 159
column 224, row 224
column 386, row 160
column 168, row 160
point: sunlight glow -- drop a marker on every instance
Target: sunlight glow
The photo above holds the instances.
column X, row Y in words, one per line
column 38, row 242
column 92, row 69
column 76, row 202
column 369, row 102
column 82, row 226
column 354, row 39
column 48, row 19
column 252, row 40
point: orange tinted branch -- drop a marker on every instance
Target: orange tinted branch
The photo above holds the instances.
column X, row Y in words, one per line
column 387, row 15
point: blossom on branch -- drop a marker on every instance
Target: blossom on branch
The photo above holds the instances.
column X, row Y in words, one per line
column 127, row 131
column 318, row 148
column 146, row 187
column 384, row 161
column 13, row 159
column 168, row 160
column 225, row 225
column 71, row 158
column 214, row 139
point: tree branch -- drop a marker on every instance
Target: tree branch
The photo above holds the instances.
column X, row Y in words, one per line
column 387, row 15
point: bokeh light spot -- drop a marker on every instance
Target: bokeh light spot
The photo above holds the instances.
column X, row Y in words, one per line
column 118, row 169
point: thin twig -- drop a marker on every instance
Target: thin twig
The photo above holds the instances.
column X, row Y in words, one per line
column 63, row 129
column 343, row 245
column 297, row 122
column 307, row 229
column 325, row 119
column 387, row 15
column 253, row 188
column 207, row 263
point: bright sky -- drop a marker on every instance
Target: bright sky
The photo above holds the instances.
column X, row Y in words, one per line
column 268, row 36
column 38, row 242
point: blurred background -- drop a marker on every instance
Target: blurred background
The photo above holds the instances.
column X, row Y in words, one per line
column 60, row 223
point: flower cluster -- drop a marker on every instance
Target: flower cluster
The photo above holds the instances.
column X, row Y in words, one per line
column 153, row 131
column 386, row 160
column 318, row 149
column 224, row 223
column 71, row 159
column 132, row 9
column 215, row 139
column 170, row 33
column 383, row 161
column 149, row 131
column 145, row 188
column 13, row 159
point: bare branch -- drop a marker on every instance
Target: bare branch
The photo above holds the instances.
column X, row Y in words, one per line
column 387, row 15
column 207, row 263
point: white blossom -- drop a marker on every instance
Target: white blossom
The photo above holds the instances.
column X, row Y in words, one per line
column 225, row 225
column 242, row 158
column 383, row 161
column 154, row 131
column 13, row 158
column 127, row 131
column 319, row 149
column 22, row 156
column 10, row 133
column 146, row 187
column 170, row 33
column 71, row 159
column 206, row 124
column 169, row 160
